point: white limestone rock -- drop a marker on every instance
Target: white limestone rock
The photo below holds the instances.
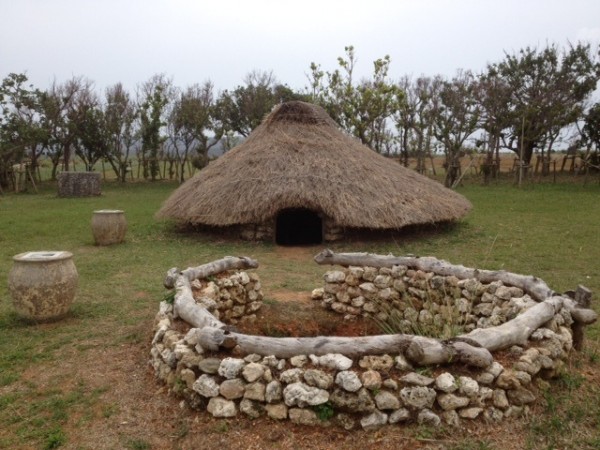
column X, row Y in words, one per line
column 335, row 361
column 348, row 380
column 418, row 396
column 219, row 407
column 446, row 382
column 206, row 386
column 386, row 400
column 373, row 421
column 231, row 367
column 301, row 394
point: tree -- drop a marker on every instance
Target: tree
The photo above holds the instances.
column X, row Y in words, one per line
column 88, row 122
column 154, row 96
column 456, row 120
column 364, row 110
column 57, row 106
column 191, row 120
column 590, row 134
column 493, row 96
column 244, row 108
column 547, row 89
column 20, row 129
column 120, row 121
column 415, row 118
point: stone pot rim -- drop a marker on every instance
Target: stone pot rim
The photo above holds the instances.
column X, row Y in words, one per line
column 42, row 256
column 108, row 211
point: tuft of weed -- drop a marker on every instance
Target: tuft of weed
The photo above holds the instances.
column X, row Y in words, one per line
column 324, row 411
column 54, row 439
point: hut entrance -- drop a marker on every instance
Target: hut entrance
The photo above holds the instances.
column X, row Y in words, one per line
column 298, row 226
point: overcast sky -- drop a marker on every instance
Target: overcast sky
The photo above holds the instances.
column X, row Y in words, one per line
column 222, row 40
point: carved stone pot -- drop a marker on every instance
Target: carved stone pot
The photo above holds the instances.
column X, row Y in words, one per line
column 109, row 226
column 42, row 284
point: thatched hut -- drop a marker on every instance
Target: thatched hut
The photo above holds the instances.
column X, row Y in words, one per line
column 299, row 179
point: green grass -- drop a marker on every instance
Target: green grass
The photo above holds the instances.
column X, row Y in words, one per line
column 550, row 231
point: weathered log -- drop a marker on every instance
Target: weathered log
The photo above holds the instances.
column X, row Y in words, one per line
column 171, row 278
column 424, row 352
column 534, row 286
column 420, row 350
column 517, row 330
column 185, row 306
column 578, row 306
column 583, row 296
column 211, row 268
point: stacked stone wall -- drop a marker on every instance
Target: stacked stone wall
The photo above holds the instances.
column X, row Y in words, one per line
column 233, row 298
column 373, row 390
column 414, row 301
column 78, row 184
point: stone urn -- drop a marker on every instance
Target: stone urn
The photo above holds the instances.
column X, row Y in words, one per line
column 43, row 284
column 109, row 226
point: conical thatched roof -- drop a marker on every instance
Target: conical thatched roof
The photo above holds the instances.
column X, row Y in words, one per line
column 299, row 158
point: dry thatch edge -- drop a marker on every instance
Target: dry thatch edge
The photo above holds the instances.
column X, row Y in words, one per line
column 472, row 349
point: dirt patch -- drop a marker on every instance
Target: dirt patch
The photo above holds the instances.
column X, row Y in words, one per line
column 303, row 253
column 294, row 314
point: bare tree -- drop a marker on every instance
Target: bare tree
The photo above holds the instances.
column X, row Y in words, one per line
column 416, row 117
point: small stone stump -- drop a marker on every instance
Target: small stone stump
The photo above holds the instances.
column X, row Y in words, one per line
column 78, row 184
column 109, row 226
column 43, row 284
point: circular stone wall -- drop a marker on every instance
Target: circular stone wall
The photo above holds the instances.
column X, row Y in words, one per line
column 366, row 390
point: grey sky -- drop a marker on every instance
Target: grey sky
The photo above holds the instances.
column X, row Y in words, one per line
column 222, row 40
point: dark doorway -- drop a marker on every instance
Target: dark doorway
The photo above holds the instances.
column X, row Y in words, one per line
column 298, row 226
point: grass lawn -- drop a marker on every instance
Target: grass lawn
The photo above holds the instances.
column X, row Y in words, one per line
column 84, row 382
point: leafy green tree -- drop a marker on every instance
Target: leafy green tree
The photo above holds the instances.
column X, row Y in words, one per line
column 120, row 119
column 243, row 109
column 591, row 128
column 154, row 96
column 88, row 123
column 456, row 120
column 364, row 109
column 493, row 96
column 547, row 89
column 193, row 126
column 21, row 132
column 58, row 118
column 590, row 134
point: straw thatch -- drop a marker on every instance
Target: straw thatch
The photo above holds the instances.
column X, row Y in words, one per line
column 299, row 158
